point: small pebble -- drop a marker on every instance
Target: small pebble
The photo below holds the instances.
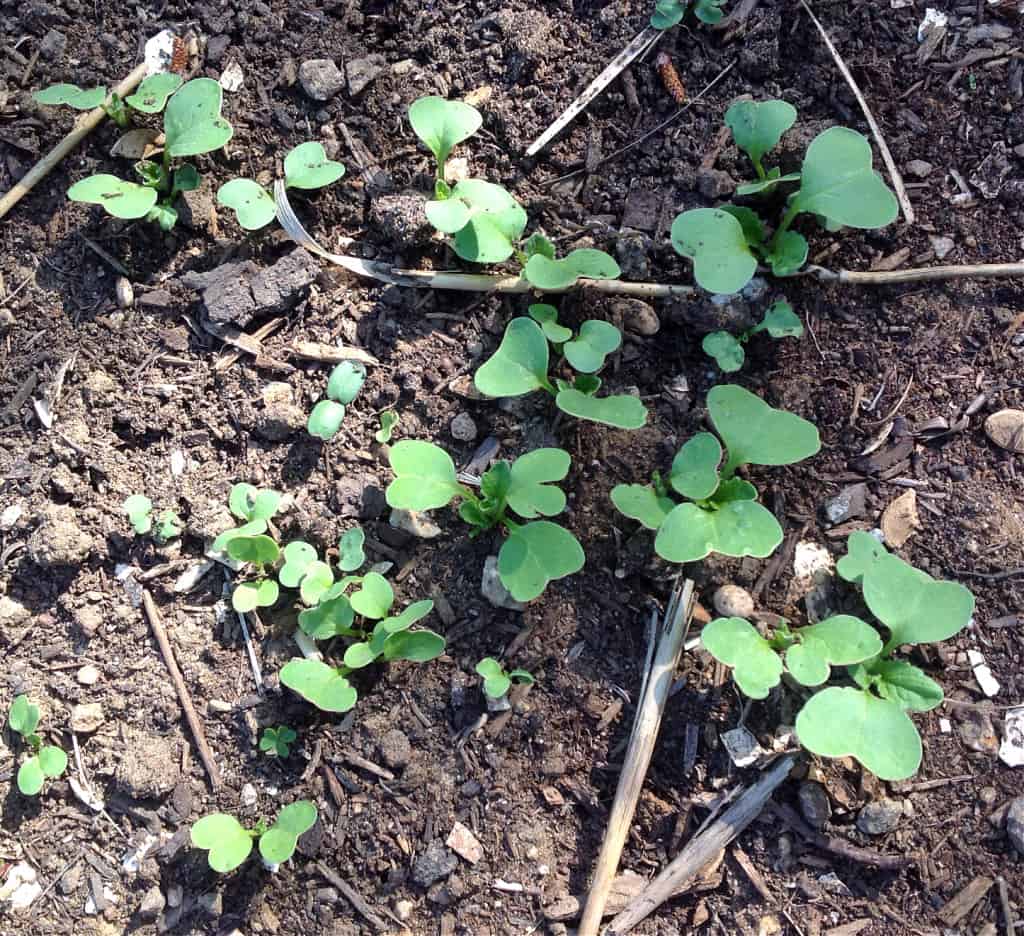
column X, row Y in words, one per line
column 879, row 817
column 733, row 601
column 463, row 428
column 88, row 675
column 86, row 718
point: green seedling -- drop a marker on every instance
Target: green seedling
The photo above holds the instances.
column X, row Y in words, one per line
column 543, row 270
column 343, row 386
column 837, row 184
column 305, row 167
column 229, row 843
column 520, row 365
column 192, row 125
column 669, row 13
column 277, row 742
column 251, row 505
column 350, row 550
column 140, row 513
column 533, row 553
column 388, row 422
column 149, row 98
column 46, row 760
column 258, row 551
column 496, row 681
column 780, row 321
column 442, row 125
column 867, row 720
column 721, row 513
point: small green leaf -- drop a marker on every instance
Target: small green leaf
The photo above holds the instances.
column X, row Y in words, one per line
column 360, row 654
column 547, row 317
column 140, row 512
column 708, row 11
column 523, row 676
column 30, row 776
column 346, row 381
column 789, row 254
column 307, row 167
column 901, row 683
column 52, row 760
column 539, row 244
column 325, row 420
column 757, row 126
column 350, row 549
column 253, row 527
column 192, row 120
column 226, row 840
column 735, row 642
column 780, row 321
column 767, row 185
column 375, row 597
column 623, row 411
column 595, row 341
column 252, row 204
column 753, row 228
column 24, row 716
column 535, row 554
column 737, row 528
column 495, row 224
column 249, row 503
column 641, row 502
column 388, row 421
column 587, row 384
column 415, row 612
column 333, row 616
column 668, row 13
column 417, row 646
column 443, row 124
column 520, row 365
column 166, row 216
column 715, row 241
column 259, row 549
column 315, row 583
column 449, row 215
column 585, row 263
column 841, row 640
column 168, row 526
column 320, row 684
column 694, row 471
column 529, row 492
column 425, row 476
column 726, row 350
column 248, row 596
column 297, row 558
column 151, row 96
column 862, row 552
column 278, row 843
column 72, row 95
column 496, row 684
column 118, row 198
column 733, row 489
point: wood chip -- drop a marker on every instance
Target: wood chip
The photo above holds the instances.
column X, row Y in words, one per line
column 1006, row 429
column 464, row 843
column 962, row 904
column 900, row 520
column 849, row 929
column 329, row 354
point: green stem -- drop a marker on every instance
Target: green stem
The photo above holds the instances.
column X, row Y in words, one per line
column 787, row 220
column 759, row 169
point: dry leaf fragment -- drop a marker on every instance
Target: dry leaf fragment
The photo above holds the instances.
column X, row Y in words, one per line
column 900, row 520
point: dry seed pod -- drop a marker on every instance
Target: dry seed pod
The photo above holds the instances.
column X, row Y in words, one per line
column 124, row 292
column 670, row 78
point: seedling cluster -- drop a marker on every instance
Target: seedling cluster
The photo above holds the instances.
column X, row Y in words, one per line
column 229, row 843
column 139, row 508
column 780, row 321
column 496, row 682
column 343, row 387
column 669, row 13
column 45, row 760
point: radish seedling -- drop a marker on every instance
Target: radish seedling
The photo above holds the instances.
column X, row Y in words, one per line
column 149, row 98
column 46, row 760
column 669, row 13
column 520, row 365
column 343, row 386
column 496, row 681
column 140, row 513
column 721, row 513
column 229, row 843
column 277, row 742
column 350, row 550
column 388, row 422
column 867, row 720
column 780, row 321
column 533, row 553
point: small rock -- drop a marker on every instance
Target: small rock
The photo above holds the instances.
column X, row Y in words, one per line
column 562, row 908
column 705, row 313
column 362, row 72
column 848, row 503
column 976, row 730
column 248, row 796
column 52, row 45
column 494, row 591
column 216, row 47
column 1011, row 751
column 1015, row 824
column 277, row 391
column 58, row 540
column 436, row 863
column 814, row 804
column 879, row 817
column 88, row 675
column 152, row 905
column 197, row 209
column 714, row 184
column 633, row 251
column 211, row 904
column 149, row 765
column 20, row 886
column 463, row 428
column 279, row 421
column 404, row 909
column 900, row 519
column 988, row 32
column 637, row 316
column 12, row 613
column 465, row 844
column 232, row 78
column 942, row 246
column 321, row 79
column 733, row 601
column 87, row 717
column 918, row 169
column 989, row 684
column 89, row 620
column 742, row 747
column 401, row 220
column 414, row 523
column 395, row 749
column 1006, row 429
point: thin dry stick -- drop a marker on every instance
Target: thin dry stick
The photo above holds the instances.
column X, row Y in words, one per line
column 890, row 163
column 702, row 849
column 205, row 751
column 657, row 682
column 85, row 125
column 919, row 274
column 353, row 897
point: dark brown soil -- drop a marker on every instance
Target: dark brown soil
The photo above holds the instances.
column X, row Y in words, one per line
column 147, row 382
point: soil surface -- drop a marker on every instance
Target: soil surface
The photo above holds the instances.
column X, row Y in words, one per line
column 152, row 403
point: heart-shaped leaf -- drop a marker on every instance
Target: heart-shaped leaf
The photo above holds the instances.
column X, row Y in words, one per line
column 417, row 646
column 297, row 558
column 756, row 434
column 547, row 317
column 425, row 476
column 253, row 527
column 248, row 596
column 350, row 549
column 192, row 120
column 737, row 528
column 694, row 471
column 140, row 512
column 708, row 11
column 247, row 502
column 496, row 682
column 530, row 493
column 259, row 549
column 23, row 716
column 714, row 240
column 841, row 640
column 622, row 411
column 30, row 776
column 595, row 341
column 361, row 654
column 118, row 198
column 757, row 126
column 736, row 643
column 768, row 184
column 641, row 502
column 315, row 583
column 333, row 616
column 862, row 552
column 915, row 607
column 520, row 365
column 72, row 95
column 346, row 381
column 278, row 843
column 537, row 243
column 448, row 215
column 496, row 222
column 899, row 682
column 841, row 722
column 668, row 13
column 52, row 760
column 375, row 597
column 587, row 384
column 320, row 684
column 186, row 179
column 788, row 254
column 780, row 321
column 726, row 350
column 838, row 182
column 151, row 96
column 400, row 622
column 584, row 263
column 443, row 124
column 307, row 167
column 252, row 204
column 535, row 554
column 226, row 840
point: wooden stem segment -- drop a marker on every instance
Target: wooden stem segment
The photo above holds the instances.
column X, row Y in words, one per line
column 85, row 125
column 926, row 274
column 654, row 696
column 157, row 626
column 703, row 848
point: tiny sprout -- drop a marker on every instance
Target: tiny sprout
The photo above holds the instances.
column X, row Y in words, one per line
column 46, row 760
column 277, row 742
column 343, row 386
column 496, row 681
column 140, row 512
column 350, row 550
column 780, row 321
column 229, row 843
column 388, row 421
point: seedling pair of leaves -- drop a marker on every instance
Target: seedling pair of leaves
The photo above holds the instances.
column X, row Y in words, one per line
column 837, row 184
column 305, row 167
column 277, row 742
column 343, row 387
column 520, row 365
column 46, row 760
column 780, row 321
column 229, row 843
column 149, row 98
column 721, row 513
column 669, row 13
column 192, row 125
column 140, row 514
column 496, row 681
column 255, row 508
column 868, row 721
column 328, row 687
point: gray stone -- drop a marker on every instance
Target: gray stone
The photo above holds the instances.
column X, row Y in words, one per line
column 362, row 72
column 1015, row 824
column 436, row 863
column 633, row 251
column 149, row 766
column 401, row 220
column 879, row 817
column 395, row 749
column 637, row 316
column 321, row 79
column 280, row 420
column 640, row 210
column 463, row 428
column 152, row 905
column 58, row 540
column 848, row 503
column 493, row 590
column 52, row 45
column 12, row 613
column 919, row 169
column 942, row 246
column 976, row 730
column 814, row 804
column 196, row 208
column 710, row 312
column 216, row 47
column 733, row 601
column 86, row 718
column 714, row 184
column 211, row 904
column 988, row 32
column 414, row 523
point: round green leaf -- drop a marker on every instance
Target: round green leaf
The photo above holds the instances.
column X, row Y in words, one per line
column 735, row 642
column 592, row 345
column 694, row 471
column 424, row 476
column 359, row 655
column 319, row 683
column 328, row 619
column 297, row 558
column 375, row 597
column 738, row 528
column 726, row 350
column 296, row 818
column 780, row 321
column 584, row 263
column 668, row 13
column 151, row 96
column 520, row 365
column 496, row 687
column 417, row 646
column 708, row 11
column 72, row 95
column 862, row 552
column 529, row 492
column 350, row 549
column 30, row 776
column 448, row 215
column 623, row 411
column 841, row 640
column 307, row 167
column 900, row 683
column 641, row 502
column 346, row 381
column 259, row 549
column 118, row 198
column 52, row 760
column 535, row 554
column 489, row 667
column 714, row 240
column 757, row 126
column 496, row 222
column 140, row 512
column 251, row 595
column 400, row 622
column 841, row 722
column 224, row 838
column 277, row 845
column 789, row 254
column 733, row 489
column 192, row 120
column 443, row 124
column 24, row 716
column 252, row 204
column 253, row 527
column 547, row 317
column 315, row 583
column 325, row 420
column 388, row 421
